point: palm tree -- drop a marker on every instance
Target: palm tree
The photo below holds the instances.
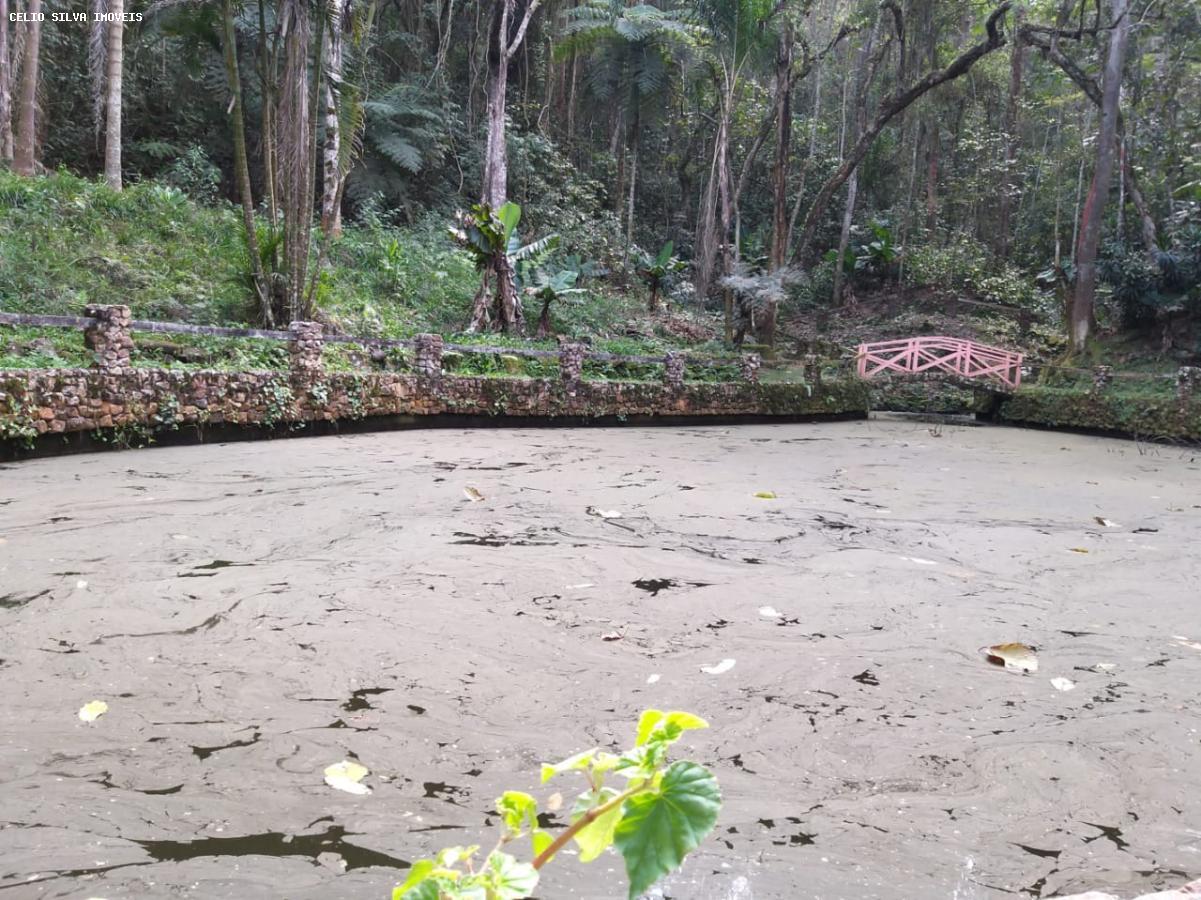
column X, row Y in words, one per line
column 630, row 50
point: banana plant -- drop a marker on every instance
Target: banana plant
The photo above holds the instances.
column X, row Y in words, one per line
column 549, row 287
column 655, row 272
column 658, row 816
column 490, row 236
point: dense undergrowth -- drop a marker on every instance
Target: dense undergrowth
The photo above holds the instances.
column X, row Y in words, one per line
column 66, row 242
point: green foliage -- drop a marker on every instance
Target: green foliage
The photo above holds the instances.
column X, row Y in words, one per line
column 655, row 818
column 194, row 174
column 1145, row 288
column 1146, row 409
column 966, row 265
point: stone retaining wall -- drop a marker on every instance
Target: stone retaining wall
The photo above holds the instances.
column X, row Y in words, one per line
column 59, row 401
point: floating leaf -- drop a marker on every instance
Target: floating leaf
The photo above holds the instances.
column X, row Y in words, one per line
column 472, row 494
column 661, row 827
column 92, row 711
column 1105, row 523
column 613, row 635
column 919, row 560
column 554, row 802
column 1185, row 642
column 603, row 513
column 1078, row 549
column 765, row 495
column 346, row 776
column 1015, row 657
column 1063, row 684
column 651, row 679
column 724, row 666
column 769, row 612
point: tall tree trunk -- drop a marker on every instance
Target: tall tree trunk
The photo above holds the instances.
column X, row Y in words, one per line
column 6, row 97
column 709, row 240
column 844, row 237
column 635, row 126
column 1084, row 296
column 496, row 158
column 295, row 140
column 25, row 144
column 112, row 113
column 1004, row 240
column 932, row 152
column 267, row 70
column 779, row 178
column 241, row 163
column 331, row 148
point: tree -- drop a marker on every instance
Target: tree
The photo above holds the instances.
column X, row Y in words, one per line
column 332, row 61
column 1085, row 292
column 894, row 103
column 501, row 48
column 112, row 114
column 629, row 50
column 6, row 97
column 26, row 141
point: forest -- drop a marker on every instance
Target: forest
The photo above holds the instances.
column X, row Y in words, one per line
column 718, row 172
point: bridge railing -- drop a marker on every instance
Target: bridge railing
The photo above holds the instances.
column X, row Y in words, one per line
column 956, row 356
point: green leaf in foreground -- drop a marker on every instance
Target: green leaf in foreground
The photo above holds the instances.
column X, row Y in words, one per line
column 661, row 827
column 593, row 839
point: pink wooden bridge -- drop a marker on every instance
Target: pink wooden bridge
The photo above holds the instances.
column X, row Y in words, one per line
column 953, row 356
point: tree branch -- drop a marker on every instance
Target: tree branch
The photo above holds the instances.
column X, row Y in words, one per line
column 889, row 107
column 521, row 29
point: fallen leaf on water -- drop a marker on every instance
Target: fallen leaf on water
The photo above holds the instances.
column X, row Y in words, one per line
column 580, row 587
column 1015, row 657
column 603, row 513
column 1185, row 642
column 554, row 802
column 1077, row 549
column 472, row 494
column 724, row 666
column 919, row 560
column 613, row 635
column 1104, row 522
column 765, row 495
column 81, row 585
column 92, row 711
column 769, row 612
column 346, row 775
column 1063, row 684
column 1146, row 530
column 651, row 679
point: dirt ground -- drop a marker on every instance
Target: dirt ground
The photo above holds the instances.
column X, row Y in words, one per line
column 255, row 612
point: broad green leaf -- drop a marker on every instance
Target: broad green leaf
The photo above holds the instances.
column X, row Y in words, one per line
column 418, row 873
column 675, row 723
column 516, row 809
column 659, row 829
column 595, row 837
column 509, row 215
column 579, row 761
column 453, row 855
column 510, row 879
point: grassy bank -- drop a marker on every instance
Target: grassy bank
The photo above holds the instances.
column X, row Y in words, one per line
column 1151, row 411
column 66, row 242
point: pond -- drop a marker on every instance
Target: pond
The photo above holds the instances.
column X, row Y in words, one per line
column 253, row 613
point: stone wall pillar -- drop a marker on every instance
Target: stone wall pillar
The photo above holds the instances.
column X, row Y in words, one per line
column 109, row 339
column 304, row 350
column 1102, row 377
column 673, row 370
column 750, row 365
column 1188, row 383
column 571, row 364
column 812, row 370
column 428, row 353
